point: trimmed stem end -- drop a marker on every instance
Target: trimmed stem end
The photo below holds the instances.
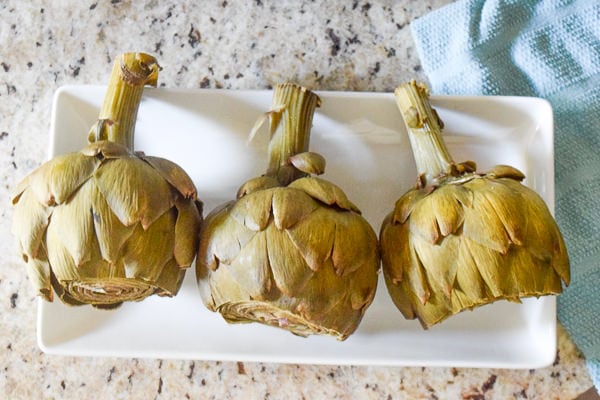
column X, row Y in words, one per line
column 290, row 129
column 424, row 128
column 130, row 73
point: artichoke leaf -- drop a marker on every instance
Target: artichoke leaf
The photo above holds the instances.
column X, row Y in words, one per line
column 354, row 242
column 222, row 289
column 309, row 162
column 530, row 277
column 274, row 118
column 173, row 174
column 395, row 255
column 20, row 188
column 148, row 250
column 416, row 278
column 290, row 206
column 30, row 221
column 106, row 149
column 482, row 223
column 170, row 279
column 440, row 261
column 222, row 237
column 406, row 203
column 214, row 221
column 492, row 268
column 401, row 298
column 363, row 296
column 552, row 283
column 463, row 194
column 423, row 220
column 290, row 272
column 317, row 300
column 505, row 171
column 510, row 213
column 73, row 225
column 203, row 282
column 560, row 263
column 538, row 238
column 448, row 210
column 61, row 260
column 188, row 221
column 251, row 267
column 84, row 284
column 468, row 278
column 134, row 191
column 100, row 271
column 111, row 234
column 526, row 274
column 55, row 181
column 254, row 211
column 313, row 238
column 95, row 269
column 38, row 271
column 539, row 234
column 257, row 184
column 435, row 311
column 325, row 192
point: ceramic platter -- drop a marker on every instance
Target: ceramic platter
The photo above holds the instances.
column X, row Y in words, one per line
column 362, row 136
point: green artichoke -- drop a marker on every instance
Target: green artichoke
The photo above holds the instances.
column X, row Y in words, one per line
column 461, row 239
column 106, row 225
column 292, row 251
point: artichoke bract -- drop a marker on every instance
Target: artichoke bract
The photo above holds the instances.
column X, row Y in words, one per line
column 106, row 225
column 461, row 239
column 291, row 251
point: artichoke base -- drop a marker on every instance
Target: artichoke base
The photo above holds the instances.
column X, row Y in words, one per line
column 266, row 313
column 105, row 292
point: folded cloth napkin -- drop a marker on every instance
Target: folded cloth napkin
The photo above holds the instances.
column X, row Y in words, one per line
column 548, row 49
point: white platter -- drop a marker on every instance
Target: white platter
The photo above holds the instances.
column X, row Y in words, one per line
column 363, row 139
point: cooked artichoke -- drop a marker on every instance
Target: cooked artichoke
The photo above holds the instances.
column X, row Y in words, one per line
column 106, row 225
column 461, row 239
column 292, row 251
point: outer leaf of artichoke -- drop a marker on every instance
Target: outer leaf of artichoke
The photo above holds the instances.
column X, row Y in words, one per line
column 292, row 251
column 462, row 239
column 106, row 225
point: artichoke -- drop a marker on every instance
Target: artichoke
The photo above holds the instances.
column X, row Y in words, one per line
column 461, row 239
column 106, row 225
column 291, row 251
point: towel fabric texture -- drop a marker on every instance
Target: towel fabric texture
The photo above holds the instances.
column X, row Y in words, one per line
column 548, row 49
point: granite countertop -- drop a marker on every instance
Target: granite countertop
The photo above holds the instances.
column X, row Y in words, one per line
column 229, row 44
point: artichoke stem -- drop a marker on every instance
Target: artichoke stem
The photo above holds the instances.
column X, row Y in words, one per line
column 290, row 129
column 131, row 72
column 424, row 128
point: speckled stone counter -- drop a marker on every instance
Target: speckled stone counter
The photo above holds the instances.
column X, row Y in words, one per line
column 333, row 45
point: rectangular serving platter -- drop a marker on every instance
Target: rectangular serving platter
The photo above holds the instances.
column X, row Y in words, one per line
column 368, row 155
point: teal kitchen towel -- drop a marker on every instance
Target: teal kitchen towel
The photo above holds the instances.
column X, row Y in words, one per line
column 548, row 49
